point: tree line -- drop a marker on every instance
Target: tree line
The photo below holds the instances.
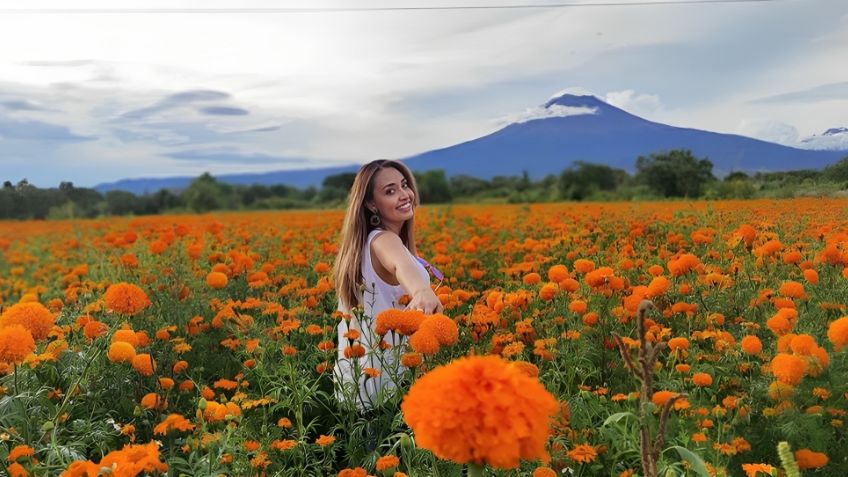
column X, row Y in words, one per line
column 675, row 173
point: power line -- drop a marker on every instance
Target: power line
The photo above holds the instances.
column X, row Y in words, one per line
column 273, row 10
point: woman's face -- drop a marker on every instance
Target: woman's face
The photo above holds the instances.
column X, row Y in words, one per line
column 393, row 197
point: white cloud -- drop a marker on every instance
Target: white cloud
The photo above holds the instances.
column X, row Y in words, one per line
column 573, row 90
column 835, row 140
column 325, row 86
column 769, row 130
column 552, row 111
column 645, row 105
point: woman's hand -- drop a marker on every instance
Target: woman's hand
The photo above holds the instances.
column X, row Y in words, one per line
column 425, row 300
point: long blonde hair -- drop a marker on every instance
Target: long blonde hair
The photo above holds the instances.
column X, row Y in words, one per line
column 347, row 272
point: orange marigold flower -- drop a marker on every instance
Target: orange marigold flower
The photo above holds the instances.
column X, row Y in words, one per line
column 216, row 280
column 677, row 343
column 788, row 368
column 808, row 459
column 226, row 384
column 751, row 470
column 442, row 327
column 811, row 276
column 659, row 398
column 20, row 451
column 600, row 277
column 121, row 352
column 658, row 286
column 31, row 315
column 284, row 422
column 424, row 342
column 549, row 291
column 126, row 335
column 126, row 298
column 532, row 278
column 180, row 366
column 792, row 289
column 803, row 344
column 404, row 322
column 544, row 472
column 702, row 379
column 751, row 345
column 480, row 409
column 578, row 306
column 324, row 441
column 251, row 446
column 583, row 454
column 584, row 266
column 174, row 422
column 837, row 333
column 411, row 360
column 94, row 329
column 783, row 321
column 355, row 350
column 16, row 343
column 283, row 444
column 151, row 401
column 144, row 364
column 558, row 273
column 387, row 462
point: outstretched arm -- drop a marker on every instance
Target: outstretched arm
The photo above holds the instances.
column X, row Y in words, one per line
column 389, row 249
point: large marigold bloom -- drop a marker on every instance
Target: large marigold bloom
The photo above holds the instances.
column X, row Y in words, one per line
column 788, row 368
column 837, row 333
column 16, row 343
column 404, row 322
column 121, row 352
column 33, row 316
column 480, row 410
column 442, row 327
column 792, row 289
column 126, row 298
column 144, row 364
column 808, row 459
column 424, row 342
column 583, row 454
column 751, row 345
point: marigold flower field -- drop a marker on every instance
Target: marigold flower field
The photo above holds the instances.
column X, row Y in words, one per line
column 205, row 345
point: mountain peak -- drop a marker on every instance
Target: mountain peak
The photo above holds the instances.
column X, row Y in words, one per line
column 835, row 131
column 577, row 101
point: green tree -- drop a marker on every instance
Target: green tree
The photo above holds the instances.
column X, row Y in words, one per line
column 676, row 173
column 463, row 185
column 433, row 187
column 343, row 181
column 121, row 202
column 837, row 172
column 204, row 194
column 581, row 179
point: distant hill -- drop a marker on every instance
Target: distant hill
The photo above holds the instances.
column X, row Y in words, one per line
column 566, row 129
column 298, row 178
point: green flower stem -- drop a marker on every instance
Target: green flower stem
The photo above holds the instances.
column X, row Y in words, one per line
column 475, row 470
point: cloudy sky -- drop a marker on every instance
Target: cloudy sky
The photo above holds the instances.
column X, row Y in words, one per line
column 102, row 95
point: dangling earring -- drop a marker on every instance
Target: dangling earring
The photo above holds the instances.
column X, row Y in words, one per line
column 375, row 220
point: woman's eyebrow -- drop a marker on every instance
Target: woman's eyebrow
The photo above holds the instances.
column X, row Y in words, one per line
column 392, row 184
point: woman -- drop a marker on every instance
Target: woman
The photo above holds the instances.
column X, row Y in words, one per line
column 374, row 267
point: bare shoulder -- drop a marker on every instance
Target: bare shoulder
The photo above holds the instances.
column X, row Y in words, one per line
column 388, row 248
column 386, row 238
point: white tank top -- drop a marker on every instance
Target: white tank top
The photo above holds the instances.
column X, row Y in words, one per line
column 377, row 296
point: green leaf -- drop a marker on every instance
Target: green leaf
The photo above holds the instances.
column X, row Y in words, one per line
column 617, row 417
column 694, row 460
